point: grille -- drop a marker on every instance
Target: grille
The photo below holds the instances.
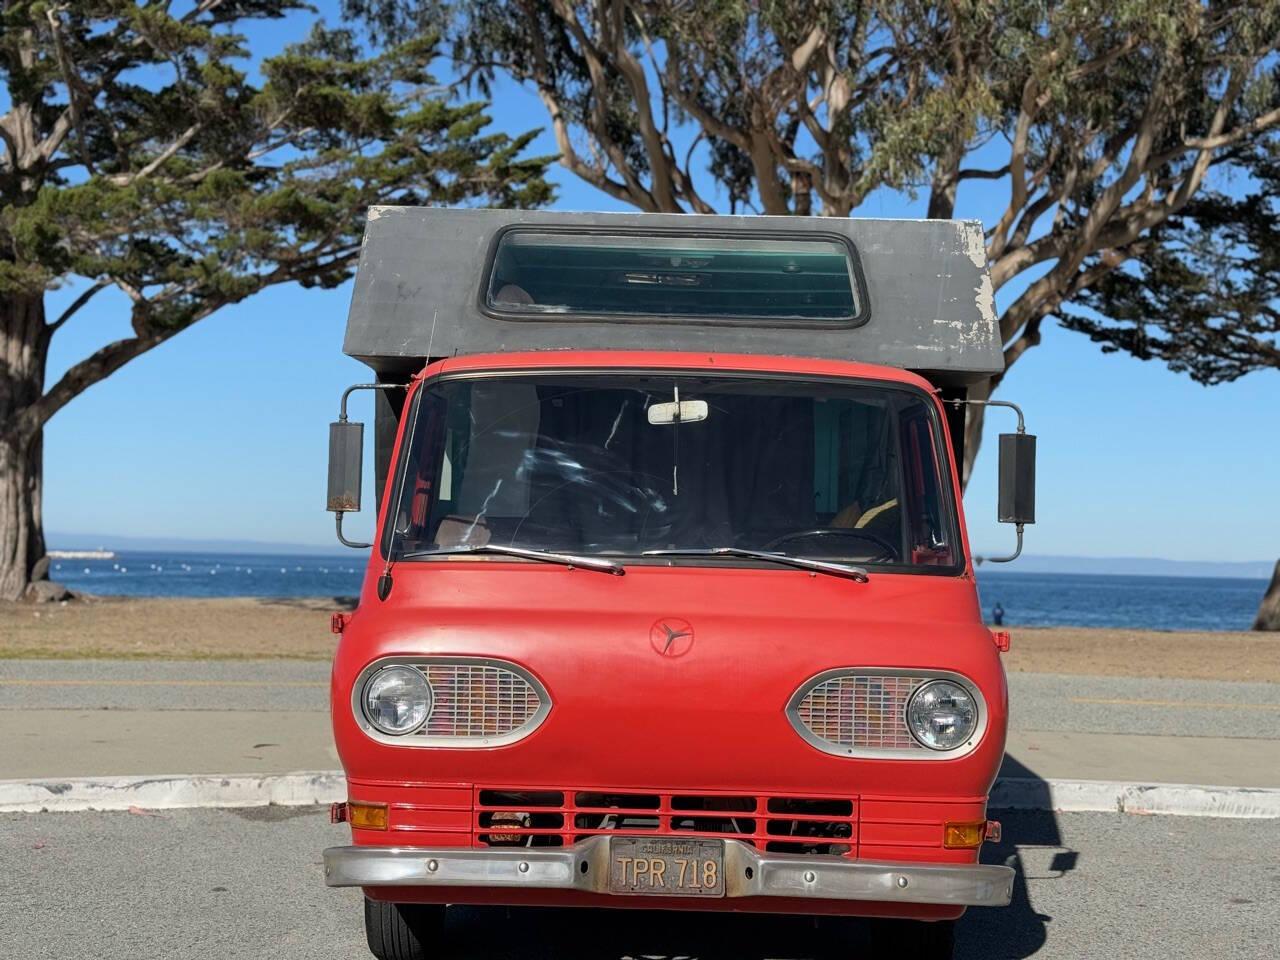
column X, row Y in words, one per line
column 859, row 711
column 555, row 818
column 477, row 700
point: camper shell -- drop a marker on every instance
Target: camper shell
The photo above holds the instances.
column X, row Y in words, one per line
column 923, row 297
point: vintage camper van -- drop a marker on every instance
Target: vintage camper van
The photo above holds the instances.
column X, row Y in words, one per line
column 670, row 603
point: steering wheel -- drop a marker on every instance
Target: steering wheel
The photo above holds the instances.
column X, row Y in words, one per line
column 888, row 549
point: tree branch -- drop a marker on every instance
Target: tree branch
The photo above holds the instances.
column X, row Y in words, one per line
column 125, row 179
column 597, row 111
column 660, row 162
column 1257, row 125
column 92, row 369
column 1030, row 105
column 74, row 92
column 983, row 174
column 77, row 303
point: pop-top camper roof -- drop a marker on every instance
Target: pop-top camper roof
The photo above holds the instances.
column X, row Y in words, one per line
column 437, row 282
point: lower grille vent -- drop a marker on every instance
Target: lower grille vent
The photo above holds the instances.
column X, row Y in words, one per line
column 542, row 818
column 523, row 798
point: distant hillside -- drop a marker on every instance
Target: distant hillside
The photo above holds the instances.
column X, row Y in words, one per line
column 1135, row 567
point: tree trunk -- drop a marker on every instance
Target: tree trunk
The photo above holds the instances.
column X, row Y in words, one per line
column 24, row 347
column 1269, row 611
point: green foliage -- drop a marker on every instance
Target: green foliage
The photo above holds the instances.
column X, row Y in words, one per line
column 1112, row 128
column 146, row 149
column 1203, row 294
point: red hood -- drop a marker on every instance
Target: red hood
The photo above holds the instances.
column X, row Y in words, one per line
column 624, row 715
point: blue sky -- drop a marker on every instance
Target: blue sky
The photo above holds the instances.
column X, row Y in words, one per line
column 221, row 432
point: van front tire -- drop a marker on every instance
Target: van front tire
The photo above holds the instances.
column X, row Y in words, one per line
column 403, row 931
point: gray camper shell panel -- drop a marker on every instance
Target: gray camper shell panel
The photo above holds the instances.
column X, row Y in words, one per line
column 923, row 294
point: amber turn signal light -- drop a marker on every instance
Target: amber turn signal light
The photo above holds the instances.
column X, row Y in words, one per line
column 964, row 836
column 367, row 816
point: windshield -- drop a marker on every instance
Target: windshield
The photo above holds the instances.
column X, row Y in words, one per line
column 618, row 464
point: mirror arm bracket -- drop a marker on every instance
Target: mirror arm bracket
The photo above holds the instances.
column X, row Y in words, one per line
column 1022, row 426
column 1017, row 551
column 342, row 407
column 337, row 516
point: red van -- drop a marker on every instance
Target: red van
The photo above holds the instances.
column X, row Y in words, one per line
column 670, row 603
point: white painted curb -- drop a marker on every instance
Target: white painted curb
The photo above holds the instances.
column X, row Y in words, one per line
column 328, row 786
column 1176, row 799
column 161, row 793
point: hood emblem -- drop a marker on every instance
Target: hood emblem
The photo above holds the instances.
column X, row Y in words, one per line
column 671, row 636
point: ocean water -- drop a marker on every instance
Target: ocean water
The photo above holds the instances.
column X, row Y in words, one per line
column 145, row 574
column 1105, row 600
column 1029, row 599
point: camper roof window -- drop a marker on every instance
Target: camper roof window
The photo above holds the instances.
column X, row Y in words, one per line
column 543, row 274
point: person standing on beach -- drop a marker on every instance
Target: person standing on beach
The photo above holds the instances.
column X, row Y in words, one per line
column 997, row 614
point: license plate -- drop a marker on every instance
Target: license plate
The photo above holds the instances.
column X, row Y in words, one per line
column 668, row 867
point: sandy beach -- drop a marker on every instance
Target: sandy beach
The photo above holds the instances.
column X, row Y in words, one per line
column 298, row 629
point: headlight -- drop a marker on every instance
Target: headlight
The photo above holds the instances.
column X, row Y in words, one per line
column 397, row 700
column 941, row 715
column 454, row 702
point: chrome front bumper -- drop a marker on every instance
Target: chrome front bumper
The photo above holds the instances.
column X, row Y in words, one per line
column 584, row 867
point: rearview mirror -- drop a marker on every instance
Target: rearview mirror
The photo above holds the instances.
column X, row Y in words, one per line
column 678, row 411
column 346, row 458
column 1017, row 498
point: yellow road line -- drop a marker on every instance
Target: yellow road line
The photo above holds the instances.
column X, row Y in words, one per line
column 1177, row 703
column 22, row 682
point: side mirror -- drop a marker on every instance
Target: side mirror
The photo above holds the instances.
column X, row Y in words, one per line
column 1017, row 478
column 346, row 458
column 1017, row 496
column 346, row 461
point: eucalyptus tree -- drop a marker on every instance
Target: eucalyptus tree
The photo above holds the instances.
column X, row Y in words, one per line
column 147, row 150
column 1132, row 145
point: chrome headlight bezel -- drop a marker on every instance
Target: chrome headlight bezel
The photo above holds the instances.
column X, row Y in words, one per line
column 417, row 738
column 414, row 676
column 934, row 684
column 915, row 750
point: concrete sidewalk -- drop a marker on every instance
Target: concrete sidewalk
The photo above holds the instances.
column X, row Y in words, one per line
column 47, row 744
column 65, row 719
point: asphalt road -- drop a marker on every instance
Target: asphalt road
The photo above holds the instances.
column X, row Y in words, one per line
column 231, row 884
column 1048, row 702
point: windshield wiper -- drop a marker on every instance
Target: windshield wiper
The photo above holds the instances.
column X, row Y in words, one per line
column 568, row 559
column 804, row 563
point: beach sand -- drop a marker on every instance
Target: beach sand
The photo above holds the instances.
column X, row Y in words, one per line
column 294, row 628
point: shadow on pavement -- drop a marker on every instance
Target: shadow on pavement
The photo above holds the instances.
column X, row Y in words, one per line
column 493, row 933
column 311, row 603
column 1018, row 931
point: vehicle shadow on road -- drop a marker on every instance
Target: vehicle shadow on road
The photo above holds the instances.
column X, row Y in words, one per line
column 494, row 933
column 1012, row 933
column 1019, row 930
column 321, row 604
